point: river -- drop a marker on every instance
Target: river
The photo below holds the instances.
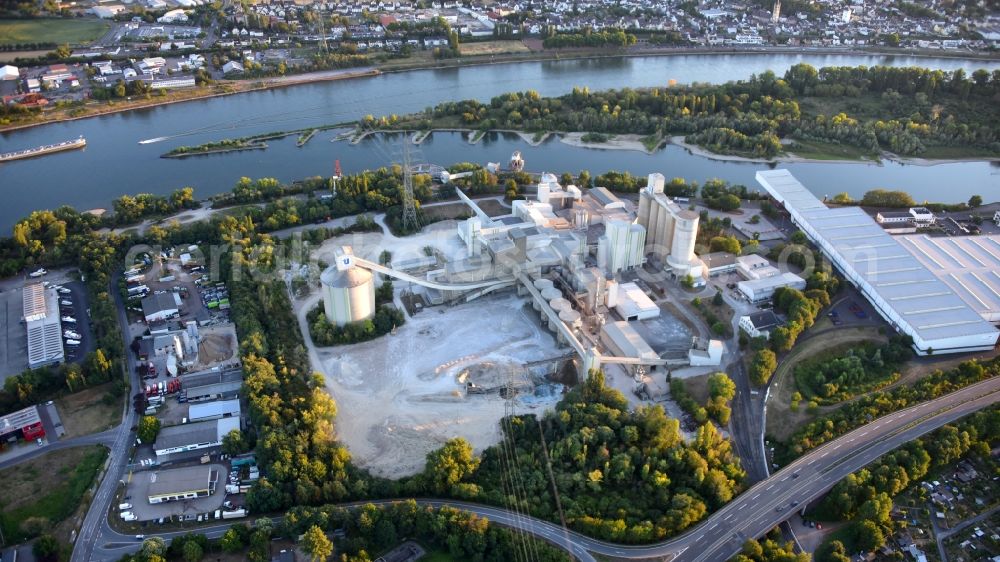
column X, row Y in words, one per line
column 114, row 163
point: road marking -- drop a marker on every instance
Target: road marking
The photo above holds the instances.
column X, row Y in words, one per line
column 755, row 497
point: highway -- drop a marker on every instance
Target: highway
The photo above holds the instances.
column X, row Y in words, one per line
column 719, row 537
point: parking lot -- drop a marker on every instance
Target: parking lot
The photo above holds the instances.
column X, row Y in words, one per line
column 137, row 494
column 14, row 349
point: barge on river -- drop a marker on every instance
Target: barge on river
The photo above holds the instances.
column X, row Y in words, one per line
column 43, row 150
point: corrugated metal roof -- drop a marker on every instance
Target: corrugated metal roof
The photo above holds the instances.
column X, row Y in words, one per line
column 930, row 307
column 207, row 410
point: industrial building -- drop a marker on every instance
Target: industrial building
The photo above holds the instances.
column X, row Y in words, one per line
column 761, row 290
column 193, row 436
column 180, row 484
column 892, row 274
column 214, row 410
column 670, row 231
column 969, row 265
column 622, row 339
column 348, row 291
column 622, row 246
column 160, row 307
column 568, row 250
column 22, row 424
column 41, row 316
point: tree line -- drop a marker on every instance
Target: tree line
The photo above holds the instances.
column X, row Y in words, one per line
column 905, row 110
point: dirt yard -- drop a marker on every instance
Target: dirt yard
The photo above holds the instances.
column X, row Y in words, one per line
column 216, row 348
column 87, row 412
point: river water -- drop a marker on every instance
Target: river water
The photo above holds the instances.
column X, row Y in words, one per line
column 114, row 162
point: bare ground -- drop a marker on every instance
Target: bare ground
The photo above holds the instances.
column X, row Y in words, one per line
column 85, row 412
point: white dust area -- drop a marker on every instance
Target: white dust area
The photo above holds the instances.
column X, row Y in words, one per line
column 403, row 395
column 399, row 397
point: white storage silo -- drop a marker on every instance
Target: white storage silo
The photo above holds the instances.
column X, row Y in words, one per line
column 551, row 293
column 348, row 294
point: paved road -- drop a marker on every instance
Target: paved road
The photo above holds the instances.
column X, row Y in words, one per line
column 106, row 438
column 719, row 537
column 95, row 524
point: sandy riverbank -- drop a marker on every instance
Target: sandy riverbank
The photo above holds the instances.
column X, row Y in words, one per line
column 615, row 142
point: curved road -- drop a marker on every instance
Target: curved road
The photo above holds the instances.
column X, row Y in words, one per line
column 718, row 537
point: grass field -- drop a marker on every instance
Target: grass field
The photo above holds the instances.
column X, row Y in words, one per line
column 68, row 30
column 50, row 486
column 493, row 48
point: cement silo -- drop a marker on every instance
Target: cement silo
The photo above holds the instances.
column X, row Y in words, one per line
column 685, row 234
column 559, row 304
column 542, row 284
column 551, row 293
column 571, row 318
column 348, row 294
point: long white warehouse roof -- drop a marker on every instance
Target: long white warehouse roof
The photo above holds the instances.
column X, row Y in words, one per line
column 903, row 289
column 970, row 265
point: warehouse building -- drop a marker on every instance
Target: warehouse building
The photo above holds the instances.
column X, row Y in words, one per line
column 182, row 484
column 622, row 339
column 163, row 306
column 193, row 436
column 22, row 424
column 901, row 287
column 214, row 410
column 41, row 317
column 761, row 290
column 969, row 265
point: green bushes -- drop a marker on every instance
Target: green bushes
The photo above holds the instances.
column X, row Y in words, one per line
column 324, row 333
column 877, row 404
column 831, row 378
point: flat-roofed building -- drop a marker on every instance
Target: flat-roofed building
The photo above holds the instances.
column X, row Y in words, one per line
column 214, row 410
column 193, row 436
column 634, row 304
column 969, row 265
column 901, row 287
column 41, row 318
column 180, row 484
column 624, row 341
column 24, row 424
column 760, row 290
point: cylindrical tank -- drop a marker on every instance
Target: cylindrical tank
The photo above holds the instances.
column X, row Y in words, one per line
column 551, row 293
column 348, row 295
column 571, row 318
column 685, row 233
column 559, row 304
column 542, row 284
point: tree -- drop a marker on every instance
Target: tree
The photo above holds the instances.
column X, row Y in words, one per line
column 975, row 201
column 232, row 540
column 316, row 544
column 450, row 464
column 46, row 548
column 192, row 551
column 149, row 428
column 721, row 386
column 762, row 367
column 233, row 443
column 868, row 536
